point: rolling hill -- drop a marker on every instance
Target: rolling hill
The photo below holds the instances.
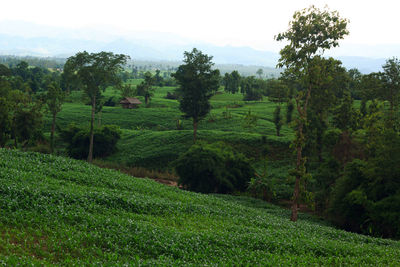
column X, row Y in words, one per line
column 55, row 210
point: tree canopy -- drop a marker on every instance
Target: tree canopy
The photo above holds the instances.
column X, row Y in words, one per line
column 94, row 72
column 197, row 81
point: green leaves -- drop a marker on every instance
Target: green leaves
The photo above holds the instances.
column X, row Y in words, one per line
column 310, row 32
column 197, row 81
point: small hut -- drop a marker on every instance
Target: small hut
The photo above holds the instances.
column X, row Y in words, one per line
column 130, row 102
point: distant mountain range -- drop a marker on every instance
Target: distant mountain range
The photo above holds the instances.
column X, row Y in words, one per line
column 63, row 43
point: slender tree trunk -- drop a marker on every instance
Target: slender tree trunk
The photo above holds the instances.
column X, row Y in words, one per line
column 300, row 140
column 194, row 130
column 90, row 154
column 296, row 192
column 320, row 132
column 53, row 126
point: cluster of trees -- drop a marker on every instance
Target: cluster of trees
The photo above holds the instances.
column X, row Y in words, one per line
column 25, row 92
column 347, row 158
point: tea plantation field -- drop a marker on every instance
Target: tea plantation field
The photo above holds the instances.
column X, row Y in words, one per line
column 55, row 210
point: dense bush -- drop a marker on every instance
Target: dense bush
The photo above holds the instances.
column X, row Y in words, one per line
column 366, row 198
column 213, row 168
column 104, row 141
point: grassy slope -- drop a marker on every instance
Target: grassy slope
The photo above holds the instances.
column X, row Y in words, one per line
column 57, row 210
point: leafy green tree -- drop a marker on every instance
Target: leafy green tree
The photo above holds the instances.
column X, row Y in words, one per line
column 22, row 70
column 259, row 73
column 289, row 111
column 391, row 81
column 345, row 116
column 54, row 101
column 277, row 90
column 197, row 82
column 366, row 197
column 278, row 120
column 4, row 71
column 94, row 72
column 158, row 80
column 145, row 88
column 329, row 80
column 354, row 82
column 311, row 32
column 5, row 111
column 252, row 88
column 127, row 90
column 235, row 81
column 28, row 123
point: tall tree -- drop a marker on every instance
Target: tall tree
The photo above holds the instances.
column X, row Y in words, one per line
column 310, row 33
column 197, row 81
column 278, row 119
column 391, row 80
column 330, row 80
column 94, row 71
column 259, row 73
column 232, row 82
column 145, row 88
column 54, row 100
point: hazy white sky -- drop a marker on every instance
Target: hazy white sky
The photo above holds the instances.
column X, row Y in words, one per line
column 223, row 22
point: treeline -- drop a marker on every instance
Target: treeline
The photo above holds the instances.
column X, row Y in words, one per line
column 347, row 157
column 44, row 63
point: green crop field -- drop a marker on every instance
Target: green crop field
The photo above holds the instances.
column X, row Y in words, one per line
column 56, row 210
column 150, row 137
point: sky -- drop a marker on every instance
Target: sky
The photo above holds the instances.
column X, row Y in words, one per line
column 252, row 23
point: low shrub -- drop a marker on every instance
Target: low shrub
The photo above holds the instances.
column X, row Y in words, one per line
column 213, row 168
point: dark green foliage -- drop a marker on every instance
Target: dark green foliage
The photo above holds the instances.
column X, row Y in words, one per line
column 348, row 206
column 94, row 72
column 278, row 120
column 197, row 83
column 325, row 177
column 355, row 77
column 77, row 139
column 345, row 116
column 289, row 111
column 213, row 168
column 252, row 88
column 391, row 88
column 231, row 82
column 365, row 198
column 277, row 90
column 5, row 121
column 27, row 124
column 127, row 90
column 54, row 100
column 145, row 88
column 4, row 71
column 158, row 80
